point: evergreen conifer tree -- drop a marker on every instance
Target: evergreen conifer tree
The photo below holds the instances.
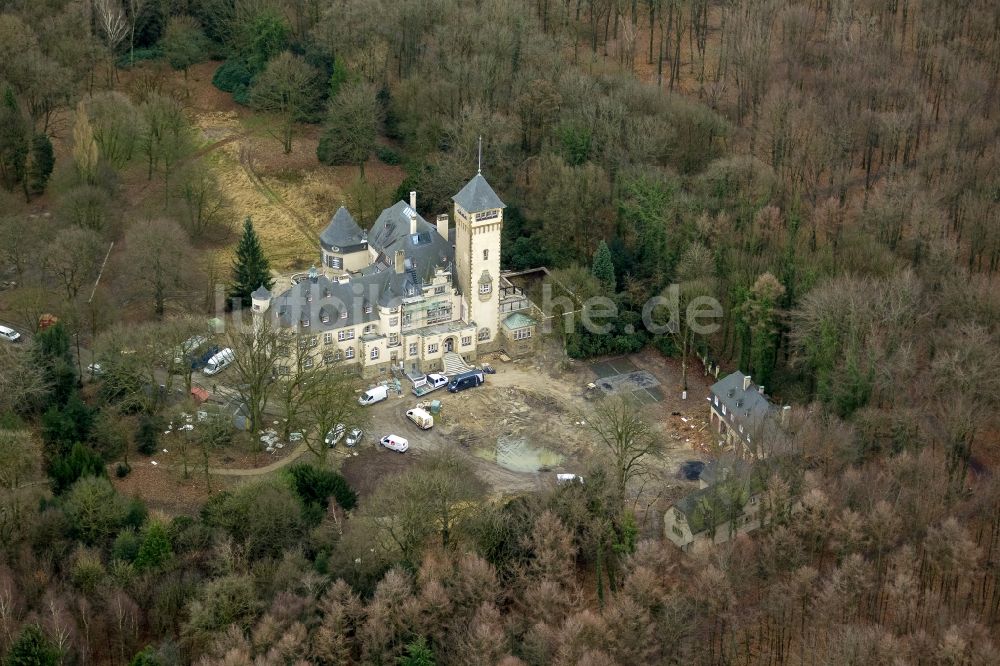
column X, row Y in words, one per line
column 32, row 648
column 251, row 268
column 14, row 141
column 43, row 159
column 604, row 268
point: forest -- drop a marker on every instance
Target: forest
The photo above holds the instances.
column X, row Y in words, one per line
column 826, row 169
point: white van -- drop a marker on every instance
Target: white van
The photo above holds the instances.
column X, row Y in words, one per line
column 421, row 417
column 395, row 443
column 218, row 363
column 373, row 395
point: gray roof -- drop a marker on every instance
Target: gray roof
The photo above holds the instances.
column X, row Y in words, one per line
column 342, row 231
column 322, row 298
column 424, row 251
column 748, row 406
column 261, row 293
column 477, row 196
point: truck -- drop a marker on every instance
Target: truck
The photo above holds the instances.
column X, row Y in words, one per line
column 421, row 418
column 429, row 383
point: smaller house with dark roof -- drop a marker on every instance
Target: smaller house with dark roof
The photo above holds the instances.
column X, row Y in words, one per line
column 740, row 413
column 726, row 505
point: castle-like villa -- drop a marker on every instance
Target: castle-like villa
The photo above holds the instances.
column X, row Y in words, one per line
column 407, row 295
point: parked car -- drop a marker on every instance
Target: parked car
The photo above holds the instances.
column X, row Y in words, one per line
column 488, row 369
column 354, row 436
column 568, row 478
column 95, row 370
column 421, row 417
column 465, row 380
column 219, row 362
column 188, row 348
column 373, row 395
column 201, row 359
column 395, row 443
column 335, row 435
column 9, row 334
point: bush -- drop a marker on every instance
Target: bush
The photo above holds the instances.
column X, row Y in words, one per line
column 81, row 462
column 122, row 470
column 234, row 76
column 139, row 55
column 388, row 155
column 126, row 545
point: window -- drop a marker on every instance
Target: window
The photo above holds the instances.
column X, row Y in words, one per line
column 393, row 321
column 334, row 262
column 327, row 338
column 345, row 335
column 413, row 349
column 393, row 339
column 329, row 357
column 313, row 341
column 438, row 313
column 484, row 334
column 522, row 334
column 678, row 531
column 407, row 318
column 374, row 353
column 466, row 341
column 485, row 287
column 439, row 289
column 716, row 401
column 324, row 317
column 343, row 313
column 349, row 352
column 307, row 362
column 368, row 308
column 284, row 370
column 369, row 328
column 753, row 500
column 723, row 410
column 486, row 255
column 432, row 348
column 336, row 355
column 305, row 321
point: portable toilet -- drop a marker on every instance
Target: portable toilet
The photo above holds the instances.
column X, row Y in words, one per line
column 435, row 406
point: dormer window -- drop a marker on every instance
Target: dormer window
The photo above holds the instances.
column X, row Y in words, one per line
column 325, row 317
column 368, row 308
column 305, row 322
column 343, row 314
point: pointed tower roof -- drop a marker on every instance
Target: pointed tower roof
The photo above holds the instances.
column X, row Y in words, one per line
column 477, row 196
column 261, row 293
column 342, row 231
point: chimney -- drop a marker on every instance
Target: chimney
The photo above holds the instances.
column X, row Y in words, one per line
column 400, row 262
column 760, row 389
column 413, row 223
column 413, row 199
column 442, row 224
column 784, row 414
column 746, row 382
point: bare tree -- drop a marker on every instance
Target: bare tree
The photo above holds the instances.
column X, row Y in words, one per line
column 628, row 438
column 258, row 347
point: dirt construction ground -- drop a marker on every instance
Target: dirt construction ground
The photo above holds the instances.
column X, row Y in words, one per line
column 529, row 422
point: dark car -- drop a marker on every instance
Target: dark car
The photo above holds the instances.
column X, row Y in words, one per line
column 466, row 380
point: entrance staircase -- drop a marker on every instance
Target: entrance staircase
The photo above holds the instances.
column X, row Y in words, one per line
column 454, row 363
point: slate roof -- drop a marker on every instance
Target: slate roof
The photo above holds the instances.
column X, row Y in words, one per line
column 424, row 251
column 717, row 501
column 261, row 293
column 342, row 231
column 477, row 196
column 748, row 406
column 322, row 298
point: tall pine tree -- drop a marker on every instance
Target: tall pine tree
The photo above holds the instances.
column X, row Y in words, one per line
column 251, row 268
column 604, row 268
column 40, row 166
column 14, row 141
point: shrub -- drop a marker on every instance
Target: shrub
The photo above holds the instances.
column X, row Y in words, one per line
column 388, row 155
column 122, row 470
column 234, row 76
column 81, row 462
column 139, row 55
